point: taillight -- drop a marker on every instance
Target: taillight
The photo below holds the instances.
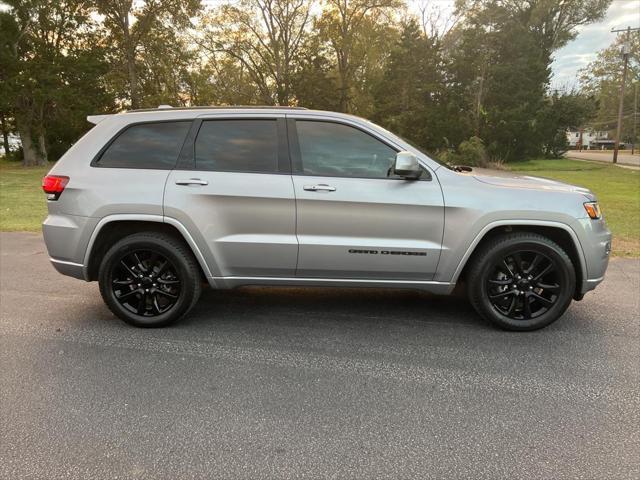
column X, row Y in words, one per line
column 53, row 186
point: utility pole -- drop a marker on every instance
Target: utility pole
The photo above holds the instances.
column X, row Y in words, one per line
column 635, row 117
column 626, row 49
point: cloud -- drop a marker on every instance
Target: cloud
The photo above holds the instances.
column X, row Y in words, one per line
column 592, row 38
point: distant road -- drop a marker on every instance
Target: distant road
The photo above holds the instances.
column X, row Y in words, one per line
column 624, row 158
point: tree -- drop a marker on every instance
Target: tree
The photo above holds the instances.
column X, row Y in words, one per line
column 265, row 37
column 601, row 80
column 409, row 98
column 344, row 24
column 561, row 112
column 500, row 63
column 50, row 64
column 314, row 83
column 134, row 26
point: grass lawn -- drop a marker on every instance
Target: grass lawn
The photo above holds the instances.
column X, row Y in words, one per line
column 22, row 202
column 23, row 205
column 617, row 188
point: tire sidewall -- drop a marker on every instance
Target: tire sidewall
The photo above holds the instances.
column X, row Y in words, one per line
column 565, row 270
column 130, row 245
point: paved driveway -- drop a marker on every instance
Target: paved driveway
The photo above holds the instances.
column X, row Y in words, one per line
column 312, row 383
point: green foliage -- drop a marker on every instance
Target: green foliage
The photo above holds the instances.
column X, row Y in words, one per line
column 410, row 99
column 500, row 59
column 470, row 152
column 52, row 75
column 473, row 153
column 601, row 80
column 560, row 112
column 478, row 92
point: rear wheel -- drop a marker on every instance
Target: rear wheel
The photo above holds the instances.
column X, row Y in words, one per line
column 521, row 281
column 149, row 279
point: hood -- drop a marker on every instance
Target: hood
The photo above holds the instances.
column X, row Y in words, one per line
column 501, row 178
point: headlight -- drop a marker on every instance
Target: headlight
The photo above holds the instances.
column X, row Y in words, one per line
column 593, row 210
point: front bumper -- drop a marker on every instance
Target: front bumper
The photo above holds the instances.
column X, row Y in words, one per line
column 596, row 246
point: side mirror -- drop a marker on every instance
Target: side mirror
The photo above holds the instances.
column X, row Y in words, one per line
column 406, row 165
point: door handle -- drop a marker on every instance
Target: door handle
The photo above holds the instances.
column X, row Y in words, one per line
column 319, row 188
column 192, row 181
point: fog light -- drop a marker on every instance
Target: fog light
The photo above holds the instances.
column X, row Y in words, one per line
column 607, row 248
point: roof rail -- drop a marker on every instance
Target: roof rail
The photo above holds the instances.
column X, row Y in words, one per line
column 218, row 107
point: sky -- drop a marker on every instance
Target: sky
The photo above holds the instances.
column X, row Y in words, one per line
column 591, row 38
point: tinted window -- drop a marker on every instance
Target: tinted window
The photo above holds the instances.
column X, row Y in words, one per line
column 237, row 146
column 339, row 150
column 148, row 145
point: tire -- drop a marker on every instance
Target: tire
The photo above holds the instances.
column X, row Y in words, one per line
column 149, row 279
column 521, row 281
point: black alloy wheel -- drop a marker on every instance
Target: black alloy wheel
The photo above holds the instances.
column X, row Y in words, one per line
column 150, row 279
column 524, row 284
column 146, row 283
column 521, row 281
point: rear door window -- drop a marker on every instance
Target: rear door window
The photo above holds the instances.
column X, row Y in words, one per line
column 237, row 146
column 146, row 145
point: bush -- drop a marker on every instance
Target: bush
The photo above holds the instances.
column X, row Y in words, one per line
column 448, row 156
column 473, row 153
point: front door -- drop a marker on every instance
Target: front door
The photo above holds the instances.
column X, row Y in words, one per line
column 353, row 219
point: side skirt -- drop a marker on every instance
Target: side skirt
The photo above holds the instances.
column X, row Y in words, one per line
column 440, row 288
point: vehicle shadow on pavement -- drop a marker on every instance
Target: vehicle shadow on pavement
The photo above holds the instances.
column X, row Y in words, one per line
column 320, row 304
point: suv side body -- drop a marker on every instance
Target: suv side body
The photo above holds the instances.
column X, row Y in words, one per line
column 281, row 219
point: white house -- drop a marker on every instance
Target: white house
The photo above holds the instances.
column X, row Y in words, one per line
column 591, row 139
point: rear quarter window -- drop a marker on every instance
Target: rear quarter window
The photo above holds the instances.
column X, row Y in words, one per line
column 146, row 145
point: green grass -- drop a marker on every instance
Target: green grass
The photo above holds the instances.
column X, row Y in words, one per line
column 23, row 205
column 617, row 188
column 22, row 202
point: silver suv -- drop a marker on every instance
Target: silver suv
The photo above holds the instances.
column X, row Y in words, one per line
column 151, row 203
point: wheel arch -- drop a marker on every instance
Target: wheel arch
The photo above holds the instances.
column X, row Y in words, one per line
column 560, row 233
column 114, row 227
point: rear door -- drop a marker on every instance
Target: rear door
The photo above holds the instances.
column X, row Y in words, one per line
column 353, row 219
column 233, row 190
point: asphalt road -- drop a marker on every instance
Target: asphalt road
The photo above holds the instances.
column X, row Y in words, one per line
column 312, row 383
column 624, row 157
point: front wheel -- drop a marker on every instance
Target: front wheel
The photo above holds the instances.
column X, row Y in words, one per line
column 521, row 281
column 149, row 279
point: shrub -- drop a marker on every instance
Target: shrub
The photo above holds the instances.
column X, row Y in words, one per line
column 473, row 153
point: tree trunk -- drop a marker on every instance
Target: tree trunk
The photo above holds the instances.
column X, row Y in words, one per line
column 30, row 155
column 130, row 52
column 133, row 78
column 5, row 134
column 344, row 87
column 42, row 147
